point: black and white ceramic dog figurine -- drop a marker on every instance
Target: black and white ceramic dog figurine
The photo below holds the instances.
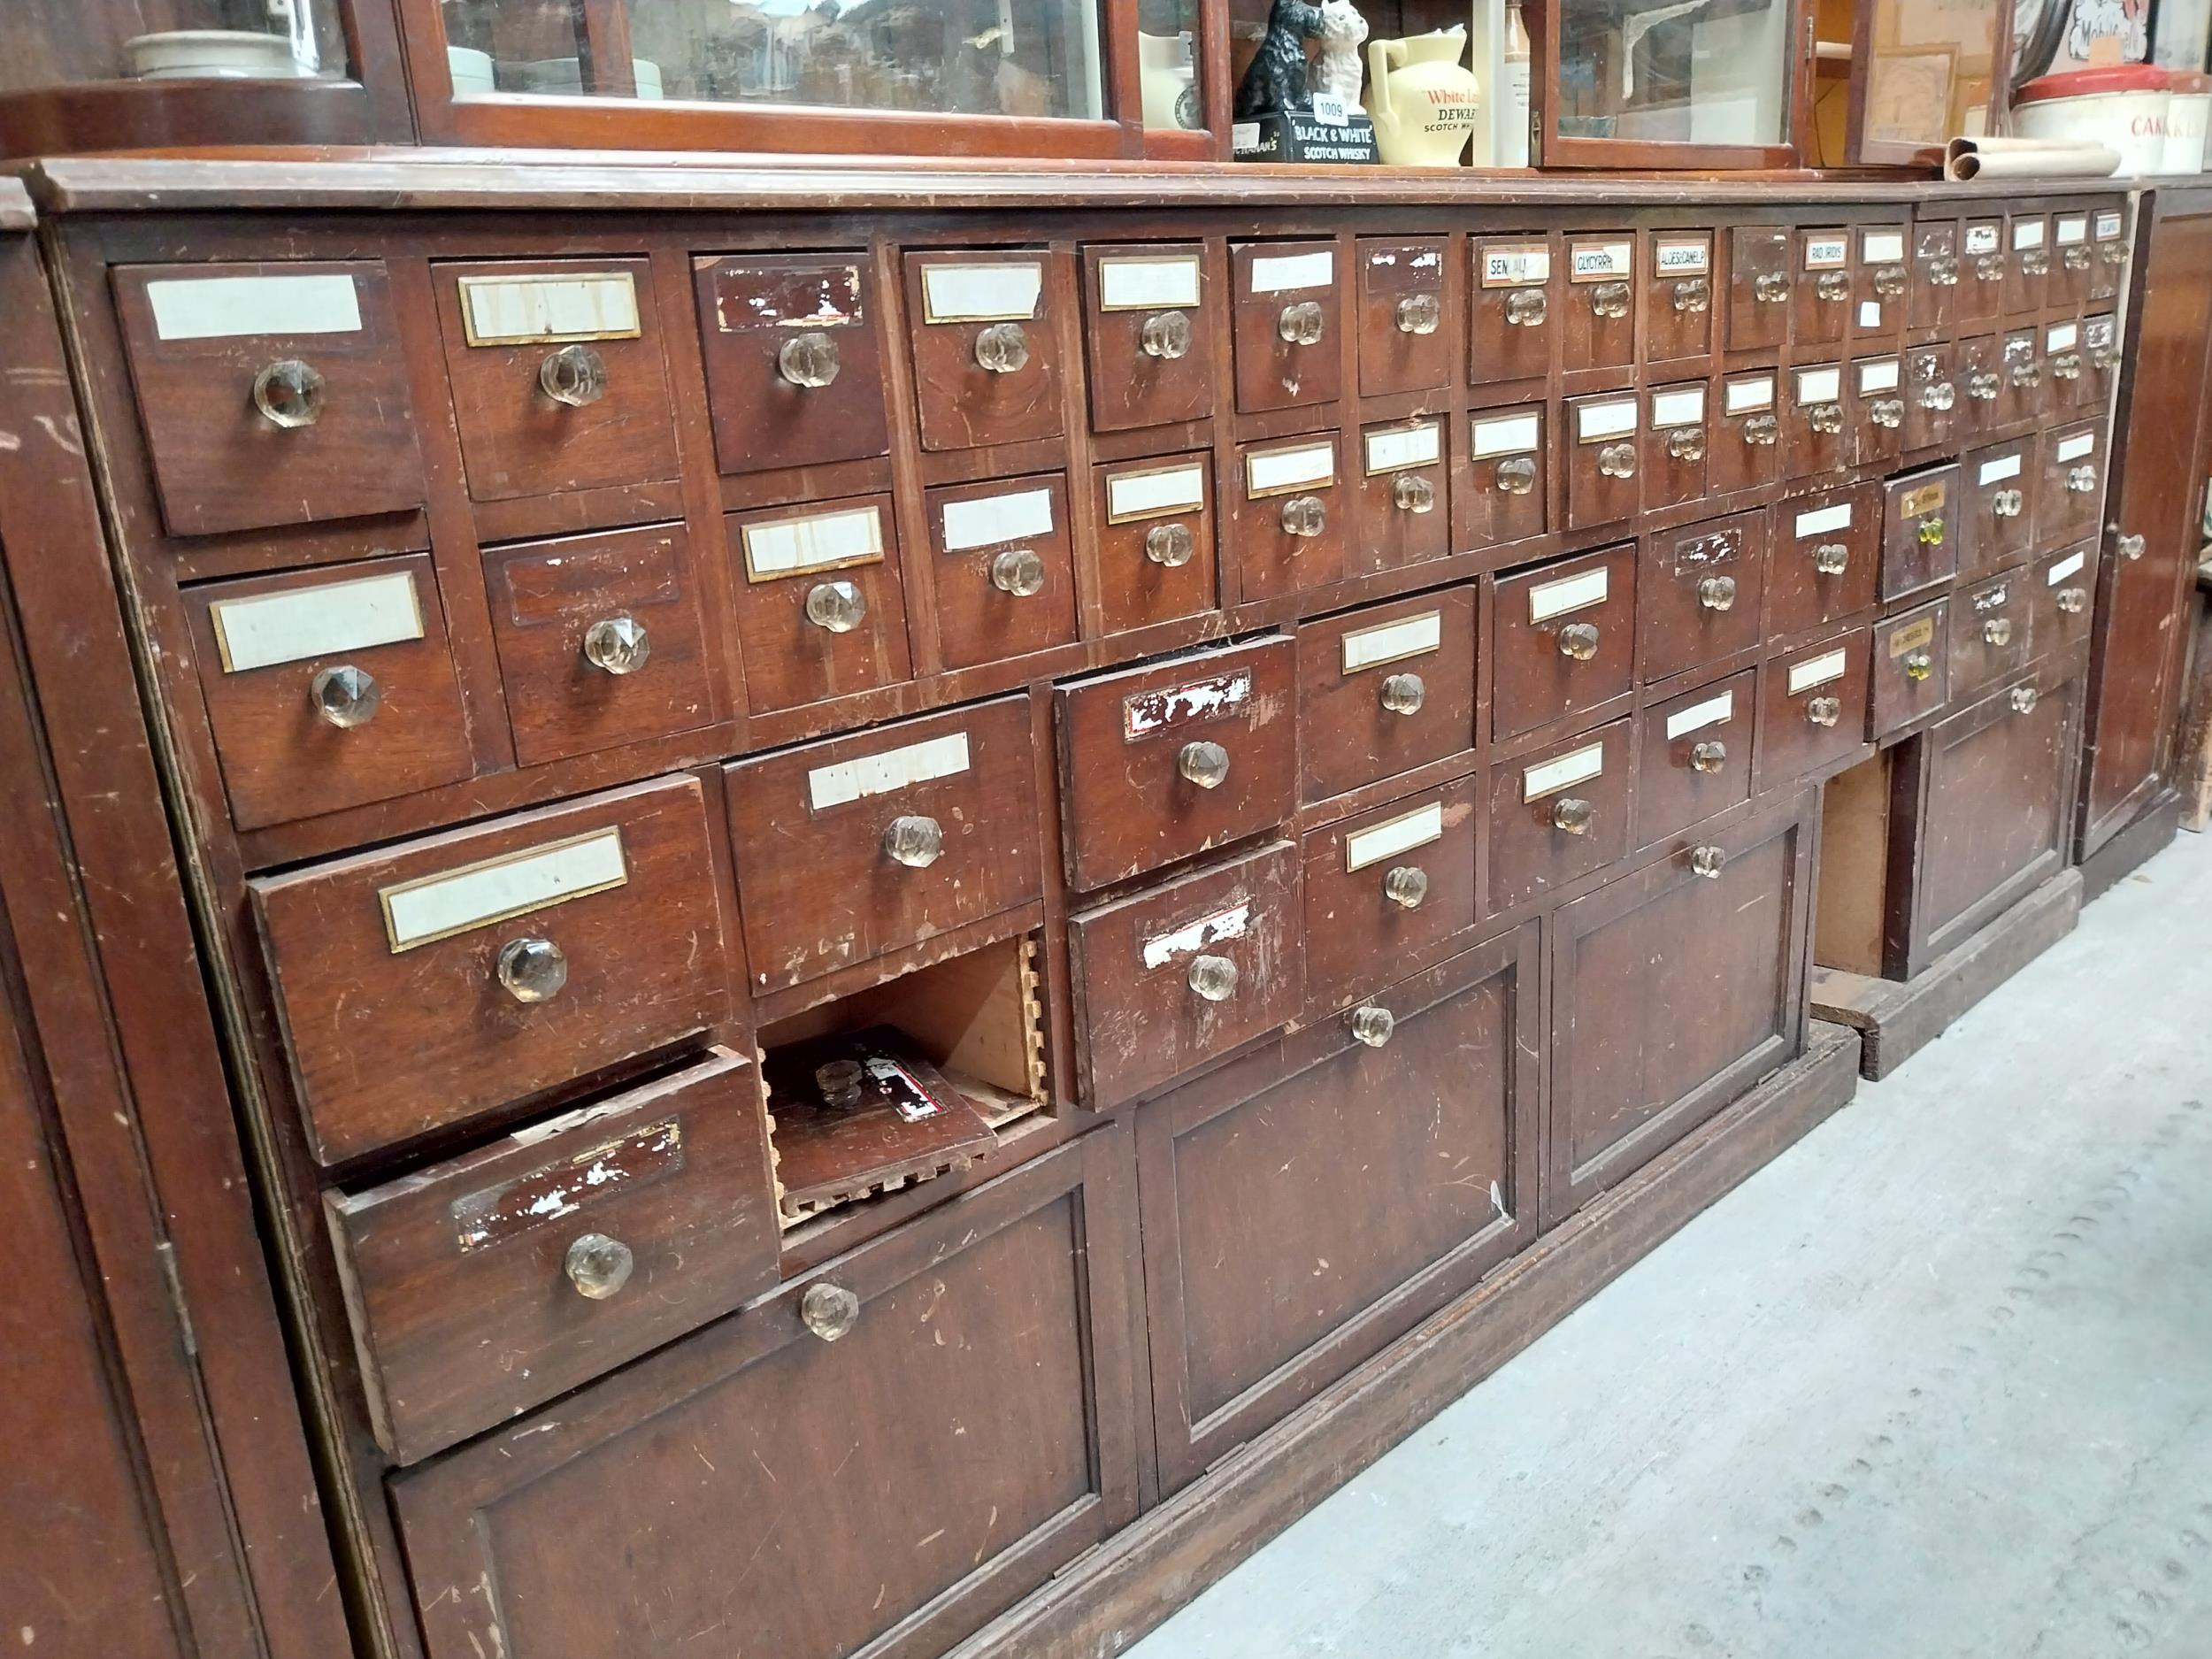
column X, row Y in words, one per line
column 1275, row 81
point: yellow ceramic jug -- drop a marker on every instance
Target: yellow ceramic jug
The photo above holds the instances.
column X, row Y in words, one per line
column 1422, row 101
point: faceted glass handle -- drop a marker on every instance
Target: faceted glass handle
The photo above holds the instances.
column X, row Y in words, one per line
column 1707, row 861
column 1930, row 533
column 1406, row 886
column 2023, row 699
column 1824, row 711
column 1213, row 977
column 1516, row 475
column 2116, row 254
column 1708, row 756
column 532, row 969
column 2073, row 601
column 2036, row 262
column 1692, row 296
column 1002, row 349
column 1372, row 1026
column 2007, row 503
column 573, row 376
column 1983, row 389
column 1305, row 517
column 1419, row 314
column 1762, row 431
column 1944, row 273
column 2082, row 480
column 1773, row 287
column 1609, row 300
column 830, row 1311
column 1166, row 335
column 1997, row 631
column 839, row 1083
column 1989, row 267
column 1573, row 816
column 1204, row 764
column 1527, row 308
column 289, row 393
column 914, row 841
column 345, row 696
column 597, row 1266
column 2104, row 359
column 1718, row 592
column 836, row 607
column 1413, row 494
column 1686, row 443
column 1833, row 286
column 809, row 360
column 2067, row 365
column 2027, row 374
column 1578, row 640
column 1825, row 418
column 1889, row 281
column 2077, row 258
column 1617, row 460
column 1403, row 694
column 1832, row 558
column 1887, row 412
column 1919, row 665
column 1019, row 571
column 1941, row 395
column 1170, row 544
column 1300, row 324
column 616, row 645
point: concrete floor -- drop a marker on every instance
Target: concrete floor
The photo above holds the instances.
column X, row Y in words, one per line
column 1937, row 1382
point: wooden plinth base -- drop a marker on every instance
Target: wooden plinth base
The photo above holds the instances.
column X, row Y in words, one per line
column 2111, row 864
column 1105, row 1599
column 1897, row 1020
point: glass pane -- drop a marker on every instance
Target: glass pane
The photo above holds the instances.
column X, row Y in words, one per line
column 1021, row 57
column 53, row 42
column 1167, row 59
column 1676, row 72
column 1929, row 75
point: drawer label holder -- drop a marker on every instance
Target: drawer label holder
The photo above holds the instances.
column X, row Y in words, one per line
column 1817, row 671
column 777, row 548
column 322, row 621
column 1147, row 713
column 888, row 772
column 994, row 293
column 1912, row 637
column 545, row 308
column 432, row 908
column 1402, row 834
column 247, row 307
column 1713, row 711
column 1135, row 284
column 1568, row 769
column 1394, row 641
column 1189, row 939
column 499, row 1213
column 1155, row 492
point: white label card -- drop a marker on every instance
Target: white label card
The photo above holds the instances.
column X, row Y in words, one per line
column 893, row 769
column 438, row 907
column 1402, row 834
column 1153, row 495
column 1568, row 769
column 240, row 307
column 2081, row 444
column 2071, row 232
column 1998, row 470
column 1595, row 423
column 1827, row 253
column 1273, row 470
column 1163, row 948
column 1824, row 520
column 1678, row 408
column 520, row 310
column 1713, row 711
column 2108, row 226
column 1882, row 375
column 1023, row 516
column 1142, row 285
column 2062, row 337
column 828, row 540
column 1882, row 247
column 1516, row 435
column 1548, row 600
column 1819, row 386
column 1397, row 448
column 1747, row 396
column 1982, row 239
column 1870, row 313
column 981, row 293
column 1817, row 671
column 1682, row 257
column 2027, row 232
column 323, row 620
column 1280, row 273
column 1394, row 641
column 1516, row 267
column 2068, row 566
column 1595, row 261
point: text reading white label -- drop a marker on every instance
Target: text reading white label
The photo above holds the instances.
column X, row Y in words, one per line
column 981, row 293
column 1394, row 641
column 513, row 311
column 1273, row 470
column 1150, row 495
column 1713, row 711
column 1678, row 408
column 1595, row 423
column 1137, row 285
column 1824, row 520
column 1564, row 773
column 1998, row 470
column 2068, row 566
column 1517, row 434
column 827, row 540
column 2073, row 449
column 1745, row 397
column 1548, row 600
column 1280, row 273
column 1397, row 447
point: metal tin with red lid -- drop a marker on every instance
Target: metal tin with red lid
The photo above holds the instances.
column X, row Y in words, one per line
column 2126, row 106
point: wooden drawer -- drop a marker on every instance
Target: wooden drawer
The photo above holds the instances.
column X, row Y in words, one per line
column 1822, row 311
column 1678, row 297
column 2101, row 361
column 1384, row 689
column 821, row 611
column 1288, row 323
column 1981, row 386
column 1402, row 308
column 1293, row 1222
column 986, row 346
column 2000, row 488
column 1161, row 762
column 1931, row 397
column 1604, row 459
column 1817, row 426
column 600, row 640
column 2024, row 392
column 2069, row 494
column 1151, row 329
column 557, row 377
column 1932, row 302
column 1674, row 990
column 1881, row 282
column 2107, row 233
column 2073, row 259
column 1564, row 640
column 1598, row 330
column 1675, row 444
column 795, row 359
column 272, row 394
column 424, row 985
column 1981, row 297
column 1698, row 592
column 1922, row 528
column 1876, row 413
column 1514, row 310
column 1287, row 527
column 329, row 689
column 613, row 1519
column 853, row 848
column 1747, row 452
column 1761, row 287
column 1003, row 568
column 1696, row 758
column 1510, row 482
column 1186, row 972
column 1815, row 710
column 2028, row 263
column 1825, row 559
column 2065, row 595
column 485, row 1285
column 1993, row 631
column 1911, row 669
column 1405, row 507
column 1388, row 892
column 1156, row 541
column 1557, row 815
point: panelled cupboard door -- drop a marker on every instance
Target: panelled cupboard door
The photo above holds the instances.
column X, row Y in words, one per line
column 1674, row 990
column 870, row 1464
column 1313, row 1202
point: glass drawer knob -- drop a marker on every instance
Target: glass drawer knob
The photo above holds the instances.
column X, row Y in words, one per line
column 1573, row 814
column 1019, row 572
column 1300, row 324
column 2073, row 601
column 1707, row 861
column 1213, row 977
column 828, row 1310
column 2116, row 254
column 1170, row 544
column 2077, row 258
column 1762, row 431
column 1204, row 764
column 1832, row 558
column 914, row 841
column 1772, row 288
column 2007, row 503
column 2067, row 365
column 532, row 969
column 1372, row 1026
column 1305, row 517
column 1989, row 267
column 2082, row 480
column 289, row 393
column 1930, row 533
column 1419, row 314
column 1617, row 460
column 2027, row 374
column 616, row 645
column 1918, row 666
column 1941, row 395
column 1516, row 475
column 1527, row 308
column 809, row 360
column 1578, row 640
column 1166, row 335
column 1686, row 443
column 1824, row 711
column 1833, row 286
column 2105, row 358
column 1983, row 389
column 1825, row 418
column 2036, row 262
column 1708, row 756
column 1888, row 412
column 1718, row 592
column 1944, row 273
column 1609, row 299
column 1406, row 886
column 1692, row 295
column 1403, row 694
column 1413, row 494
column 1889, row 281
column 2023, row 699
column 1002, row 349
column 838, row 1082
column 838, row 607
column 345, row 696
column 1997, row 631
column 597, row 1266
column 573, row 376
